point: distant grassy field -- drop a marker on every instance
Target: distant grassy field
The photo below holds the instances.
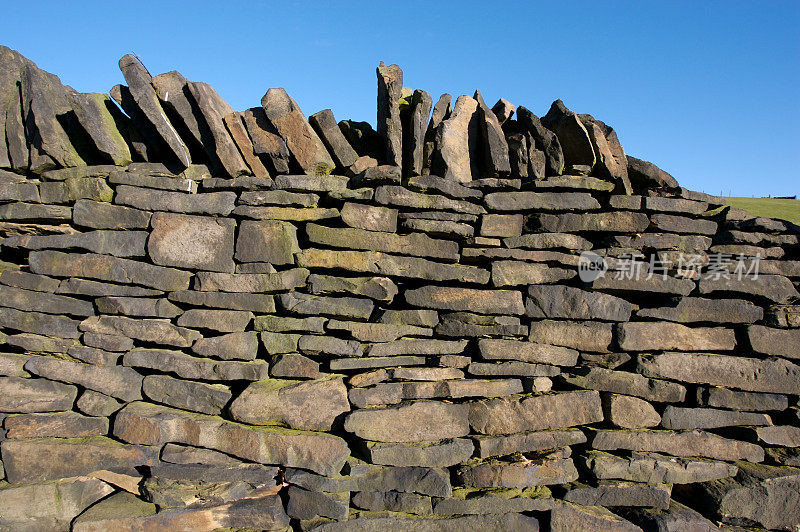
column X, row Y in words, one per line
column 782, row 209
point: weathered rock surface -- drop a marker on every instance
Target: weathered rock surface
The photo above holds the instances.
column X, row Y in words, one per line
column 515, row 414
column 413, row 422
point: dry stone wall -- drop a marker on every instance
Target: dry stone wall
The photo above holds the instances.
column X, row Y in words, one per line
column 469, row 319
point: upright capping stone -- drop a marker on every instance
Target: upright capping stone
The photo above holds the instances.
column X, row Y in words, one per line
column 495, row 162
column 390, row 128
column 326, row 127
column 456, row 143
column 414, row 135
column 441, row 112
column 544, row 140
column 141, row 89
column 574, row 139
column 303, row 142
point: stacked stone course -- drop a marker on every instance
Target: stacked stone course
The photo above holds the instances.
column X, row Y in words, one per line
column 213, row 319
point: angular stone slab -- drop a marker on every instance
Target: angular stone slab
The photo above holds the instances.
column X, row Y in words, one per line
column 31, row 301
column 107, row 268
column 572, row 135
column 742, row 401
column 541, row 201
column 658, row 336
column 402, row 197
column 493, row 141
column 681, row 418
column 655, row 468
column 144, row 95
column 566, row 517
column 414, row 136
column 749, row 374
column 148, row 424
column 495, row 349
column 391, row 265
column 194, row 242
column 508, row 415
column 99, row 117
column 496, row 474
column 629, row 412
column 189, row 367
column 233, row 346
column 413, row 422
column 780, row 342
column 155, row 331
column 290, row 122
column 687, row 443
column 326, row 127
column 266, row 141
column 219, row 203
column 390, row 86
column 581, row 335
column 645, row 174
column 573, row 303
column 216, row 320
column 187, row 395
column 101, row 215
column 305, row 405
column 35, row 395
column 480, row 301
column 38, row 323
column 45, row 459
column 515, row 273
column 620, row 494
column 611, row 222
column 540, row 440
column 56, row 425
column 266, row 241
column 696, row 309
column 417, row 244
column 252, row 282
column 543, row 140
column 119, row 382
column 443, row 453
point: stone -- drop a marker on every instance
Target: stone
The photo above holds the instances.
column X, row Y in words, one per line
column 456, row 141
column 261, row 303
column 187, row 395
column 645, row 175
column 117, row 243
column 573, row 303
column 501, row 225
column 189, row 367
column 413, row 422
column 630, row 412
column 542, row 201
column 144, row 95
column 652, row 468
column 337, row 307
column 611, row 160
column 265, row 513
column 443, row 453
column 782, row 435
column 654, row 336
column 233, row 346
column 44, row 459
column 544, row 140
column 495, row 160
column 526, row 442
column 581, row 335
column 548, row 241
column 267, row 143
column 369, row 218
column 76, row 188
column 420, row 318
column 328, row 130
column 286, row 324
column 58, row 425
column 417, row 244
column 775, row 288
column 278, row 197
column 35, row 395
column 99, row 117
column 288, row 120
column 769, row 341
column 309, row 405
column 293, row 365
column 102, row 215
column 216, row 138
column 676, row 517
column 390, row 85
column 378, row 288
column 496, row 474
column 51, row 505
column 491, row 349
column 33, row 212
column 686, row 443
column 515, row 273
column 148, row 330
column 616, row 222
column 137, row 306
column 12, row 364
column 394, row 501
column 514, row 414
column 677, row 205
column 192, row 242
column 147, row 424
column 759, row 494
column 623, row 284
column 680, row 418
column 97, row 404
column 512, row 368
column 216, row 320
column 748, row 374
column 305, row 504
column 116, row 381
column 251, row 283
column 402, row 197
column 697, row 309
column 566, row 517
column 480, row 301
column 572, row 135
column 172, row 90
column 377, row 332
column 38, row 323
column 415, row 135
column 28, row 281
column 219, row 203
column 742, row 401
column 31, row 301
column 106, row 268
column 683, row 224
column 620, row 494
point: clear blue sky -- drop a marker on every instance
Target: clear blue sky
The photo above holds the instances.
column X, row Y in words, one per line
column 709, row 91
